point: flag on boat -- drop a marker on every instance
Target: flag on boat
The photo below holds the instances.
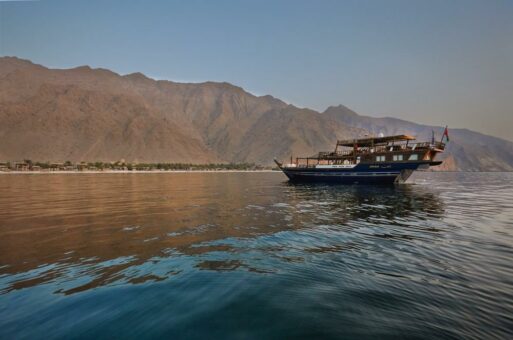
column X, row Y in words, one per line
column 446, row 134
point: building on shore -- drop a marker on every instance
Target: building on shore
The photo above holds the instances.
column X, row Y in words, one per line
column 21, row 166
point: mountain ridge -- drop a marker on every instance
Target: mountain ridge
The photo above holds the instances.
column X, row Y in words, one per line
column 94, row 114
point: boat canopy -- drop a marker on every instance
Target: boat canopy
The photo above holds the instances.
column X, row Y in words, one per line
column 371, row 141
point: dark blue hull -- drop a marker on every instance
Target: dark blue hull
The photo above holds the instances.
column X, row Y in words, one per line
column 382, row 173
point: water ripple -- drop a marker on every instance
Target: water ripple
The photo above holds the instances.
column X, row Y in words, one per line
column 207, row 255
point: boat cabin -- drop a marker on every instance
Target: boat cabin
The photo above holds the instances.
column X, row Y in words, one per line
column 399, row 148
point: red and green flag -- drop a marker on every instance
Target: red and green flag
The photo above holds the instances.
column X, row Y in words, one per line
column 446, row 134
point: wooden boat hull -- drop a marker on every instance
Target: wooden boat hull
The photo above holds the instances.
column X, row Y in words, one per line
column 382, row 173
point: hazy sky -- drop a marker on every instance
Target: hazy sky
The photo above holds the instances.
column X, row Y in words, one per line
column 436, row 62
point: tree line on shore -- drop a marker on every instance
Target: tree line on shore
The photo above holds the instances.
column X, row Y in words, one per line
column 29, row 165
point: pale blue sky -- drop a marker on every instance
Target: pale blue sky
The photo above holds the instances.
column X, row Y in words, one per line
column 437, row 62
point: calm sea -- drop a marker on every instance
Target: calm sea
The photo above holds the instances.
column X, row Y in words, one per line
column 249, row 255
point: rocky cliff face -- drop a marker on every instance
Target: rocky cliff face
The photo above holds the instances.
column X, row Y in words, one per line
column 85, row 114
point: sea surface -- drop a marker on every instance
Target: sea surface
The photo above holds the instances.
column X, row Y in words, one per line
column 251, row 256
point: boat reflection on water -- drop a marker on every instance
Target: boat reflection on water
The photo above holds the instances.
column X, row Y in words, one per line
column 369, row 201
column 88, row 232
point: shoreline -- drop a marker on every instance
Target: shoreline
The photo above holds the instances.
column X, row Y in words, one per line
column 67, row 172
column 126, row 172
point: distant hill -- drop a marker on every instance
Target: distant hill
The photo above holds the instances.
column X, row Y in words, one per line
column 85, row 114
column 467, row 150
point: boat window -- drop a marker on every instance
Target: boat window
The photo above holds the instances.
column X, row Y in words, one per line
column 380, row 158
column 413, row 157
column 398, row 157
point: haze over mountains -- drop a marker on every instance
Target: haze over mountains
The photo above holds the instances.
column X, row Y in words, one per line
column 85, row 114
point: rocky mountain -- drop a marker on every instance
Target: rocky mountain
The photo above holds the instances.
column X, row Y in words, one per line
column 467, row 150
column 85, row 114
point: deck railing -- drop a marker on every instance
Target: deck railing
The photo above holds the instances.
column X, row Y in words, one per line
column 349, row 155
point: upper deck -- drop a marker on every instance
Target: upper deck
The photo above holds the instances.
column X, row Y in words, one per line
column 398, row 148
column 374, row 141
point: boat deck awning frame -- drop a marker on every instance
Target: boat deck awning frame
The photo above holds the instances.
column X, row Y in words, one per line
column 372, row 141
